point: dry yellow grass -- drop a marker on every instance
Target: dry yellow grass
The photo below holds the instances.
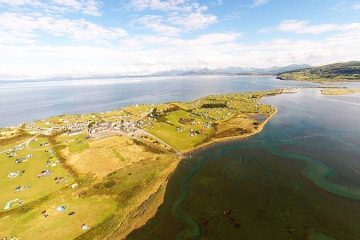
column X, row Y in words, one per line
column 107, row 155
column 7, row 133
column 231, row 127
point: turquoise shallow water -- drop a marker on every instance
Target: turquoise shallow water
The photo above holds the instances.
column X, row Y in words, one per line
column 299, row 178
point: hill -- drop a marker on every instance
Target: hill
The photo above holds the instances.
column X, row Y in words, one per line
column 349, row 71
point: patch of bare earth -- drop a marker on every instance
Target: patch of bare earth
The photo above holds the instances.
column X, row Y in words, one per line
column 239, row 125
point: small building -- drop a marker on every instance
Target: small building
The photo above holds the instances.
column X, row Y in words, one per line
column 60, row 208
column 44, row 173
column 19, row 160
column 13, row 154
column 13, row 174
column 74, row 132
column 179, row 129
column 11, row 203
column 85, row 227
column 19, row 147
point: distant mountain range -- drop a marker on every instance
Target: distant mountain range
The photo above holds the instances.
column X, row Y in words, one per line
column 233, row 71
column 191, row 72
column 348, row 71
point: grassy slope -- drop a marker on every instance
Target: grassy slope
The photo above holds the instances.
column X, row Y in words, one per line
column 349, row 71
column 110, row 198
column 39, row 186
column 31, row 224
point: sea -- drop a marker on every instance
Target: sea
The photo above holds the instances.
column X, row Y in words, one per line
column 28, row 100
column 298, row 179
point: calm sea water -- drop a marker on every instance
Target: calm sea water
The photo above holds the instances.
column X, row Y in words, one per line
column 298, row 179
column 26, row 101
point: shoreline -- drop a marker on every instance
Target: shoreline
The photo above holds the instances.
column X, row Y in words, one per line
column 147, row 208
column 188, row 153
column 212, row 142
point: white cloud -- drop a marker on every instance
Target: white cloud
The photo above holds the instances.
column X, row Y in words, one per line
column 91, row 48
column 16, row 27
column 146, row 54
column 304, row 27
column 89, row 7
column 257, row 3
column 193, row 21
column 16, row 3
column 157, row 24
column 215, row 38
column 356, row 6
column 175, row 16
column 162, row 5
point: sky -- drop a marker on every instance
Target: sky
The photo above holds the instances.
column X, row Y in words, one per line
column 42, row 38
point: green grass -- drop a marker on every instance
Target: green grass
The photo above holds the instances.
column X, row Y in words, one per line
column 166, row 130
column 129, row 186
column 349, row 71
column 40, row 187
column 320, row 236
column 7, row 143
column 59, row 225
column 39, row 143
column 118, row 155
column 27, row 222
column 78, row 146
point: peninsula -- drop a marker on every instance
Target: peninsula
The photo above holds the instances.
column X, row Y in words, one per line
column 102, row 175
column 338, row 72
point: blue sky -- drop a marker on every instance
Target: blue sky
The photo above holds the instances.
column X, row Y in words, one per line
column 85, row 37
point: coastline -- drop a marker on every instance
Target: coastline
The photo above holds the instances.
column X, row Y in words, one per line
column 212, row 142
column 320, row 81
column 151, row 211
column 148, row 206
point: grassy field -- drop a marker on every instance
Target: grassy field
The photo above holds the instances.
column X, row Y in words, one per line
column 139, row 189
column 116, row 176
column 13, row 140
column 105, row 156
column 6, row 133
column 112, row 184
column 32, row 224
column 211, row 117
column 32, row 187
column 242, row 123
column 181, row 140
